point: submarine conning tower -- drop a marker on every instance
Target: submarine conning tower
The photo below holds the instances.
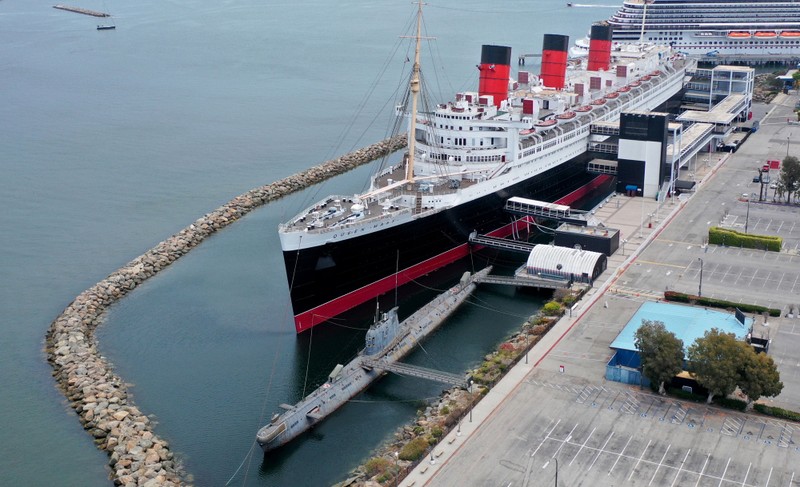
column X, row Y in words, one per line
column 554, row 60
column 599, row 48
column 495, row 66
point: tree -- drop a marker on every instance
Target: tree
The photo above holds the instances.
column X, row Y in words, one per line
column 661, row 352
column 715, row 359
column 759, row 377
column 790, row 176
column 796, row 78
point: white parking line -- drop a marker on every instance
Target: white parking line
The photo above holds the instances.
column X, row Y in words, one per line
column 791, row 480
column 659, row 464
column 600, row 451
column 619, row 455
column 581, row 448
column 702, row 470
column 546, row 438
column 724, row 472
column 768, row 477
column 744, row 482
column 766, row 279
column 640, row 460
column 565, row 441
column 680, row 468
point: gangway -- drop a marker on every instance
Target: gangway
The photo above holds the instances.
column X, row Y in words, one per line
column 416, row 371
column 602, row 166
column 501, row 243
column 543, row 209
column 519, row 280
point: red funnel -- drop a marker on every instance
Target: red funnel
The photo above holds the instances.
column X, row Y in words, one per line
column 494, row 68
column 600, row 48
column 554, row 60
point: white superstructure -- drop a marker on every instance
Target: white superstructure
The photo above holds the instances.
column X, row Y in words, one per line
column 469, row 147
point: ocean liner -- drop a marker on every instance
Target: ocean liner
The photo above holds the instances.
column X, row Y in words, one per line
column 761, row 29
column 526, row 137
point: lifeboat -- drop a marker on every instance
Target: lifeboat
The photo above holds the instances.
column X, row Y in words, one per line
column 791, row 34
column 635, row 84
column 584, row 109
column 625, row 89
column 527, row 132
column 601, row 101
column 656, row 73
column 547, row 123
column 612, row 95
column 739, row 35
column 766, row 35
column 645, row 78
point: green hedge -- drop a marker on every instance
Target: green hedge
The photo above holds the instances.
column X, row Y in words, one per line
column 732, row 238
column 718, row 303
column 777, row 412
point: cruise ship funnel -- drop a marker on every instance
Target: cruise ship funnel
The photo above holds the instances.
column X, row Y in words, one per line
column 495, row 66
column 554, row 60
column 599, row 48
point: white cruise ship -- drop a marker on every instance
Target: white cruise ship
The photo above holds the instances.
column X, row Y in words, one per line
column 758, row 30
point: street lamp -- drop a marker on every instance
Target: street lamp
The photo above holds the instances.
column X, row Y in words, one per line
column 700, row 287
column 548, row 463
column 396, row 468
column 747, row 217
column 787, row 146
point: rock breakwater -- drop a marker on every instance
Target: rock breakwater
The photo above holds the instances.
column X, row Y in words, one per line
column 137, row 456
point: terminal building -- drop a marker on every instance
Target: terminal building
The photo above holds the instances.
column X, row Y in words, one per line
column 655, row 153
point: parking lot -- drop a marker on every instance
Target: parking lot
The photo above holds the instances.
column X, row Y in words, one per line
column 603, row 434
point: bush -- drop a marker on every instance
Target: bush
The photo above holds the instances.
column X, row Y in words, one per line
column 437, row 432
column 551, row 309
column 730, row 403
column 445, row 410
column 718, row 303
column 414, row 449
column 688, row 396
column 732, row 238
column 777, row 412
column 376, row 465
column 418, row 430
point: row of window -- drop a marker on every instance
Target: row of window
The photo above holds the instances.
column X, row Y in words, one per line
column 763, row 43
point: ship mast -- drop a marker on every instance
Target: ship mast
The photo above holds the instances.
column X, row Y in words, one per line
column 414, row 87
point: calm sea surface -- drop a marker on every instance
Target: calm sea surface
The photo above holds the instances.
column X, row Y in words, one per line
column 111, row 141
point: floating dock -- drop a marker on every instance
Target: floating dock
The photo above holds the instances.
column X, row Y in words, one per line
column 79, row 10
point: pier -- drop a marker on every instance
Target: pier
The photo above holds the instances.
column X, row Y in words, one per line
column 79, row 10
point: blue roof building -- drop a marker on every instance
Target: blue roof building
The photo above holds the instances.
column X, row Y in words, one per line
column 688, row 323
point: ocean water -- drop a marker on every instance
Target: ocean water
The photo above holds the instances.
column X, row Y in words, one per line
column 111, row 141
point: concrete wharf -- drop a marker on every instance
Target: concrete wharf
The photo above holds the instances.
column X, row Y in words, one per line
column 79, row 10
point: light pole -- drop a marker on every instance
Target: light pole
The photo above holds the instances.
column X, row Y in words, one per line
column 747, row 217
column 642, row 219
column 548, row 463
column 787, row 146
column 396, row 468
column 700, row 287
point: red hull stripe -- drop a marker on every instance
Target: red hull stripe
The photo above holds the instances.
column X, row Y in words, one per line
column 323, row 312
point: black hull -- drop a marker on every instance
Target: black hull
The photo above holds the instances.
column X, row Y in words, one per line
column 322, row 274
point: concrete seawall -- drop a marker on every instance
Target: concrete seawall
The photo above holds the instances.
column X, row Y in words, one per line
column 137, row 456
